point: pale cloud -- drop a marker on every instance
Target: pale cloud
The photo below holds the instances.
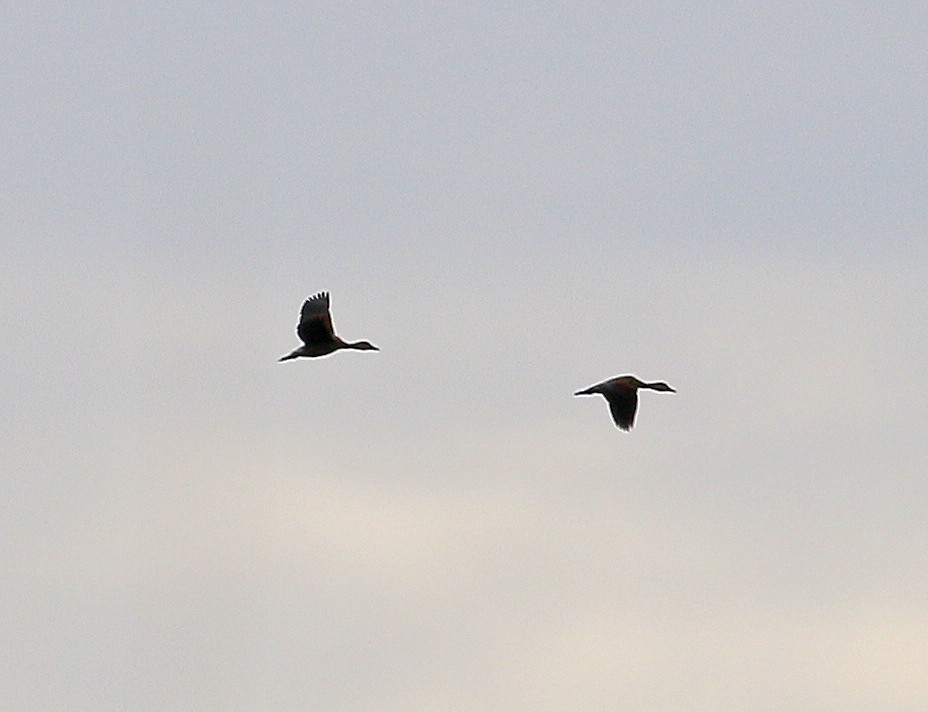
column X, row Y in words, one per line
column 512, row 205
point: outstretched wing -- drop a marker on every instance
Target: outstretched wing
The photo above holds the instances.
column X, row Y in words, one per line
column 315, row 325
column 622, row 404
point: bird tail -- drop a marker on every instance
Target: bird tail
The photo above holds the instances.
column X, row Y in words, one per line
column 587, row 391
column 287, row 357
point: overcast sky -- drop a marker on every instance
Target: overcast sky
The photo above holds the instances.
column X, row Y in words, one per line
column 514, row 201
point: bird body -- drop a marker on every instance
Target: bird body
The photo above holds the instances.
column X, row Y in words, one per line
column 622, row 395
column 317, row 334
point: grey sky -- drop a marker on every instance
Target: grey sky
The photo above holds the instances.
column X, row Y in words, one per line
column 513, row 201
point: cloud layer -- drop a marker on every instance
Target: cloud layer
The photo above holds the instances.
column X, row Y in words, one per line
column 513, row 203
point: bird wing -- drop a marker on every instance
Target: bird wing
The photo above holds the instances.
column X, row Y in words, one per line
column 622, row 404
column 315, row 325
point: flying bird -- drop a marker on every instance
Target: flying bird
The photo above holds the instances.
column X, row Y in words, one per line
column 622, row 395
column 316, row 332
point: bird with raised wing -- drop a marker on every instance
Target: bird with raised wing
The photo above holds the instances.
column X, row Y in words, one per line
column 622, row 395
column 316, row 332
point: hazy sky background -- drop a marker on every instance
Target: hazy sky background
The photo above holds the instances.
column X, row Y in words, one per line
column 513, row 201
